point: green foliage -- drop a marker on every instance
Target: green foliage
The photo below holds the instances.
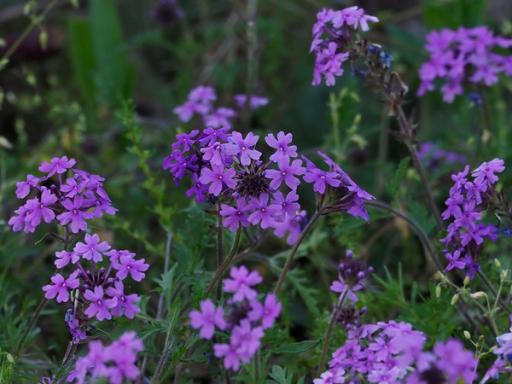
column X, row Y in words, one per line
column 454, row 13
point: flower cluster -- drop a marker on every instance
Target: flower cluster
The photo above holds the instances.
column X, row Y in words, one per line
column 200, row 102
column 227, row 169
column 97, row 275
column 464, row 56
column 352, row 274
column 464, row 210
column 66, row 194
column 387, row 352
column 433, row 155
column 332, row 39
column 114, row 363
column 502, row 362
column 246, row 318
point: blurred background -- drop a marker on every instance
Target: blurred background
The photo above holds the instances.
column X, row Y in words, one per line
column 97, row 80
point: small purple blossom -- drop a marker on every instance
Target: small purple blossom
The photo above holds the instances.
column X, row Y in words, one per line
column 100, row 305
column 59, row 289
column 57, row 165
column 282, row 145
column 287, row 174
column 92, row 249
column 207, row 319
column 217, row 177
column 241, row 282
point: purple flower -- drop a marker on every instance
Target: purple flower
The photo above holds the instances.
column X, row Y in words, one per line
column 465, row 55
column 241, row 282
column 207, row 319
column 60, row 287
column 263, row 212
column 114, row 364
column 214, row 153
column 247, row 339
column 126, row 265
column 125, row 303
column 92, row 249
column 75, row 214
column 329, row 64
column 23, row 187
column 57, row 165
column 38, row 209
column 267, row 313
column 288, row 205
column 64, row 258
column 243, row 147
column 254, row 101
column 100, row 306
column 199, row 101
column 230, row 355
column 287, row 173
column 234, row 217
column 282, row 146
column 485, row 174
column 217, row 177
column 319, row 178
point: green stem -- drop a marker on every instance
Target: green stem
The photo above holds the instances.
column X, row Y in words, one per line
column 407, row 130
column 327, row 338
column 226, row 263
column 289, row 260
column 489, row 285
column 36, row 20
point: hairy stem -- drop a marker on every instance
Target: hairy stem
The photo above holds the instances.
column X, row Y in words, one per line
column 328, row 334
column 226, row 263
column 289, row 260
column 406, row 130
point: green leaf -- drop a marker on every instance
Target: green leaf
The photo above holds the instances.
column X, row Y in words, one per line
column 114, row 73
column 399, row 176
column 454, row 13
column 82, row 58
column 166, row 281
column 420, row 214
column 307, row 293
column 280, row 375
column 299, row 347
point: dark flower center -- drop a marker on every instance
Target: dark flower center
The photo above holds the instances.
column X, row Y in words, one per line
column 252, row 183
column 433, row 375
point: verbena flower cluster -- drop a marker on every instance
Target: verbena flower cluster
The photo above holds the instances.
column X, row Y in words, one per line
column 392, row 353
column 245, row 318
column 503, row 361
column 66, row 194
column 226, row 168
column 352, row 274
column 200, row 102
column 469, row 197
column 464, row 57
column 333, row 35
column 114, row 363
column 433, row 156
column 97, row 279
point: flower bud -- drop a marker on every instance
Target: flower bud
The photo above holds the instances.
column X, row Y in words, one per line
column 467, row 335
column 438, row 291
column 478, row 295
column 455, row 299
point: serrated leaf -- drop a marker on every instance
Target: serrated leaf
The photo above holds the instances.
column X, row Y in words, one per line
column 398, row 177
column 279, row 375
column 299, row 347
column 307, row 293
column 166, row 281
column 422, row 217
